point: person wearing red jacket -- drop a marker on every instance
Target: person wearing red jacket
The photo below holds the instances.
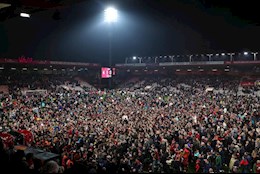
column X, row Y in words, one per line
column 64, row 160
column 186, row 154
column 256, row 167
column 197, row 166
column 244, row 164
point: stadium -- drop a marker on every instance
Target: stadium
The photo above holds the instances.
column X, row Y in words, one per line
column 185, row 112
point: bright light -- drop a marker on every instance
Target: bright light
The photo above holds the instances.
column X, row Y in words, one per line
column 134, row 58
column 25, row 15
column 222, row 54
column 110, row 15
column 245, row 53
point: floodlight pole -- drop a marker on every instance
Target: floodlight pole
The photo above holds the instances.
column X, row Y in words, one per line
column 190, row 58
column 110, row 54
column 140, row 59
column 110, row 17
column 210, row 55
column 171, row 57
column 126, row 60
column 110, row 48
column 155, row 60
column 255, row 55
column 231, row 56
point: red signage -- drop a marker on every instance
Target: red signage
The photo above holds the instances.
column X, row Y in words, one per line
column 23, row 59
column 106, row 72
column 29, row 60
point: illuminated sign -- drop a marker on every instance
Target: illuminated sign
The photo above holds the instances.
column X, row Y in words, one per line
column 107, row 72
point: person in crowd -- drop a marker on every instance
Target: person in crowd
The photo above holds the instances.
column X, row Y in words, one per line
column 52, row 167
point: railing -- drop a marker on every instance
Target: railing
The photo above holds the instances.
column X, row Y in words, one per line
column 244, row 56
column 198, row 63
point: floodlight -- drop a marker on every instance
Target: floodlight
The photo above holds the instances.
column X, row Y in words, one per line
column 25, row 15
column 111, row 15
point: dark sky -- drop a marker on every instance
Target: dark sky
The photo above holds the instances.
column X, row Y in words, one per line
column 145, row 28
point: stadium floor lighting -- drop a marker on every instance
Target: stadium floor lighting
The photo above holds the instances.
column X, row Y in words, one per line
column 25, row 15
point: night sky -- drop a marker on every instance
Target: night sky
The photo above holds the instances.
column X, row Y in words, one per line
column 145, row 28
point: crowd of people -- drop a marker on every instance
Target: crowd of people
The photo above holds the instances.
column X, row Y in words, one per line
column 157, row 125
